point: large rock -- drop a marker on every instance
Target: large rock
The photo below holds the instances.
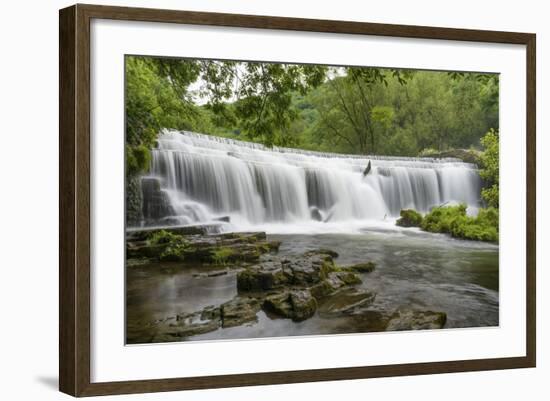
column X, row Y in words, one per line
column 177, row 328
column 315, row 214
column 310, row 268
column 239, row 311
column 263, row 277
column 346, row 300
column 416, row 320
column 297, row 305
column 333, row 282
column 303, row 305
column 134, row 200
column 219, row 249
column 365, row 267
column 156, row 204
column 250, row 237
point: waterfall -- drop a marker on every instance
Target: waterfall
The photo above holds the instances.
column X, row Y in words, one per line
column 199, row 178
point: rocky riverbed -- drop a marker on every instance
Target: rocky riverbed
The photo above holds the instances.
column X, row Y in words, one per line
column 187, row 284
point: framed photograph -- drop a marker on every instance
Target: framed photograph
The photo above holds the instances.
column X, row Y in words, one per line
column 250, row 200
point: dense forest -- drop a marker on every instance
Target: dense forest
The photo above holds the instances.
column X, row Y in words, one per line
column 356, row 110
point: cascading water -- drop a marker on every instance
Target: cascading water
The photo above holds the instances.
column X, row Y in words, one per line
column 199, row 179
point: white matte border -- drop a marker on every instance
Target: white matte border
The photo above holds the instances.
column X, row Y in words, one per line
column 113, row 361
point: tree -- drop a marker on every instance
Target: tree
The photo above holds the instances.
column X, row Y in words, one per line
column 254, row 97
column 262, row 95
column 157, row 97
column 489, row 168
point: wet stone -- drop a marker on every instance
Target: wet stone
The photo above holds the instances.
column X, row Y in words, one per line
column 346, row 300
column 297, row 305
column 239, row 311
column 416, row 320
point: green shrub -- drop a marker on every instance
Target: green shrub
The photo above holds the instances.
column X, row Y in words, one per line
column 175, row 245
column 409, row 218
column 489, row 171
column 221, row 255
column 453, row 220
column 440, row 218
column 163, row 237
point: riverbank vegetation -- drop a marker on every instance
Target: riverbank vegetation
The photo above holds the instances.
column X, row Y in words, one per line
column 455, row 221
column 338, row 109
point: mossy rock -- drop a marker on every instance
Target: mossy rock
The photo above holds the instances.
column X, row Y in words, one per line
column 297, row 305
column 239, row 311
column 349, row 278
column 416, row 320
column 409, row 218
column 345, row 301
column 261, row 278
column 222, row 255
column 366, row 267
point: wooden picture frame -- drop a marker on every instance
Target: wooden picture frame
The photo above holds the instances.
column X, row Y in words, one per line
column 74, row 203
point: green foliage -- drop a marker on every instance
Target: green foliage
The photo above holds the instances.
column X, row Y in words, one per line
column 489, row 172
column 409, row 218
column 175, row 245
column 157, row 97
column 440, row 219
column 402, row 116
column 221, row 255
column 453, row 220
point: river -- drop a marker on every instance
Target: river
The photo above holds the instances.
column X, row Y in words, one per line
column 414, row 270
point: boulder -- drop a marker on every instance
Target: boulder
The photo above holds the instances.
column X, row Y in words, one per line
column 297, row 305
column 191, row 325
column 250, row 237
column 263, row 277
column 279, row 304
column 346, row 300
column 310, row 268
column 315, row 214
column 155, row 202
column 416, row 320
column 303, row 305
column 181, row 326
column 365, row 267
column 211, row 313
column 239, row 311
column 322, row 251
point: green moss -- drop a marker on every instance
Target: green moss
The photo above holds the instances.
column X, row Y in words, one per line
column 365, row 267
column 409, row 218
column 221, row 255
column 175, row 245
column 349, row 278
column 164, row 237
column 453, row 220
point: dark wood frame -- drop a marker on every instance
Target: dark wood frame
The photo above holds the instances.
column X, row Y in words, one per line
column 74, row 199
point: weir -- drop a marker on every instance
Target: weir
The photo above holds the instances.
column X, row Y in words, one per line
column 196, row 178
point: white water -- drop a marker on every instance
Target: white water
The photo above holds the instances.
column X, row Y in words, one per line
column 278, row 189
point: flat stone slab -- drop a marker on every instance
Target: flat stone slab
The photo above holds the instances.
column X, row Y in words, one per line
column 416, row 320
column 346, row 300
